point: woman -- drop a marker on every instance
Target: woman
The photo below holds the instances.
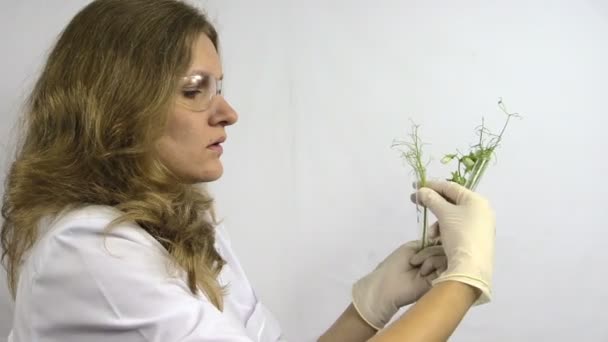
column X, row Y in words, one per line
column 107, row 237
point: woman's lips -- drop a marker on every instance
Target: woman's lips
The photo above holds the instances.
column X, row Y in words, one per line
column 216, row 148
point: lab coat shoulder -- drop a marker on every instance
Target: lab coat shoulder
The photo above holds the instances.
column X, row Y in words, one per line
column 87, row 283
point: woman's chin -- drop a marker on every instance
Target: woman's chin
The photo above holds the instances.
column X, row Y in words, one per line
column 211, row 174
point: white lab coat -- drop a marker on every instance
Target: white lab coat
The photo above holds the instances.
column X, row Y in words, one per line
column 78, row 285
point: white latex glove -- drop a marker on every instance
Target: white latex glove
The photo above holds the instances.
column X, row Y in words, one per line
column 396, row 282
column 466, row 225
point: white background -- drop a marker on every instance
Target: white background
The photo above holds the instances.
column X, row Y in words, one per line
column 313, row 194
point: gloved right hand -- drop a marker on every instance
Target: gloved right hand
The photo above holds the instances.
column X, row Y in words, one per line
column 466, row 225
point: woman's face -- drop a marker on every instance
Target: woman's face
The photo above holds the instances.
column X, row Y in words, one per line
column 189, row 146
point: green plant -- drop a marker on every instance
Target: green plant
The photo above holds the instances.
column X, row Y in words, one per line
column 413, row 156
column 471, row 166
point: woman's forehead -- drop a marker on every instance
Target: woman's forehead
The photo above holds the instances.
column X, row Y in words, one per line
column 205, row 59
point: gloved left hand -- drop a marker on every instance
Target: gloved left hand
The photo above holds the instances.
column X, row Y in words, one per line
column 401, row 279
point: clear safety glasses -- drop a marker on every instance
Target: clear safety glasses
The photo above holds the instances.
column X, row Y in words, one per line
column 198, row 90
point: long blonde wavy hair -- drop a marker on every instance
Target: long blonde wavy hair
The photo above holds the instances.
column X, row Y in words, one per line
column 89, row 130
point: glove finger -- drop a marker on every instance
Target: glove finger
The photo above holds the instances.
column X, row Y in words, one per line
column 431, row 264
column 402, row 254
column 440, row 263
column 431, row 277
column 442, row 268
column 412, row 245
column 451, row 191
column 437, row 273
column 434, row 231
column 424, row 254
column 429, row 198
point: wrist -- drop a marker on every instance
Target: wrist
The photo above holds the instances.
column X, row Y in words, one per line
column 469, row 293
column 350, row 326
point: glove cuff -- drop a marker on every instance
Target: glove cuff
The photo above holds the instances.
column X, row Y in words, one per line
column 360, row 302
column 486, row 291
column 377, row 328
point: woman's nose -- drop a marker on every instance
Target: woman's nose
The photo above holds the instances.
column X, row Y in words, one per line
column 224, row 114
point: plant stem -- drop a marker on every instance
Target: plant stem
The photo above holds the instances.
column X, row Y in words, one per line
column 413, row 156
column 425, row 220
column 478, row 169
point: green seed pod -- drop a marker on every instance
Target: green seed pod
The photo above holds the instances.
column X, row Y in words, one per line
column 473, row 156
column 447, row 158
column 468, row 162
